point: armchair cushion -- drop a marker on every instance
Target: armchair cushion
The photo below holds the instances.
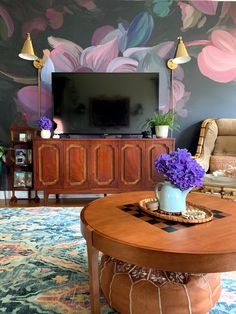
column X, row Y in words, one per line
column 225, row 145
column 221, row 162
column 217, row 144
column 226, row 126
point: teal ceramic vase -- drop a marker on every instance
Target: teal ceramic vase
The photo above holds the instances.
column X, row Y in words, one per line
column 170, row 198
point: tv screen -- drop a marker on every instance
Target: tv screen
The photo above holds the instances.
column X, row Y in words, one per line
column 104, row 103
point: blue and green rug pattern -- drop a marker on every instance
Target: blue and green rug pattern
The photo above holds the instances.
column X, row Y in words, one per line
column 43, row 264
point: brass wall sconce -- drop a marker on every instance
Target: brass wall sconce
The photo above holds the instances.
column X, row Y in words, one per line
column 181, row 56
column 27, row 53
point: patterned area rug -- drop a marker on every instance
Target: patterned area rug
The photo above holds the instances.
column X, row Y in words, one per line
column 43, row 264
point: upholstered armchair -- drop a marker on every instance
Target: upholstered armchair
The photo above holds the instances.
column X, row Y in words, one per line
column 216, row 148
column 216, row 153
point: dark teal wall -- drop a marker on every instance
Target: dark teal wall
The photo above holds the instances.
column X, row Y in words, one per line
column 204, row 87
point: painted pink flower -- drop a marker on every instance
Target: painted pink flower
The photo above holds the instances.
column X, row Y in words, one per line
column 98, row 57
column 195, row 12
column 87, row 4
column 28, row 101
column 8, row 21
column 34, row 26
column 206, row 7
column 66, row 55
column 217, row 60
column 69, row 57
column 228, row 9
column 55, row 18
column 180, row 97
column 100, row 33
column 190, row 16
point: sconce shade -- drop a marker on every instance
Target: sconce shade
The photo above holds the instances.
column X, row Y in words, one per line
column 181, row 54
column 27, row 51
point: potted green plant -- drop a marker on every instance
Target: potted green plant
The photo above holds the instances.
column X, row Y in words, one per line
column 162, row 122
column 2, row 156
column 5, row 156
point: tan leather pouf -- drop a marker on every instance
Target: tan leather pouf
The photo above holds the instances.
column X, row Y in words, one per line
column 138, row 290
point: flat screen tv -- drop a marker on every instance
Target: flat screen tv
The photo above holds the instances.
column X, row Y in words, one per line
column 104, row 103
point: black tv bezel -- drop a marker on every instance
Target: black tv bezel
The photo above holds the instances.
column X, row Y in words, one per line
column 104, row 134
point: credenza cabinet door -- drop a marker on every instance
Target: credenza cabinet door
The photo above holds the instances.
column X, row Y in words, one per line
column 48, row 164
column 76, row 154
column 155, row 148
column 131, row 164
column 104, row 164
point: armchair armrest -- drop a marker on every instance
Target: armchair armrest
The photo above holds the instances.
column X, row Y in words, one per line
column 206, row 143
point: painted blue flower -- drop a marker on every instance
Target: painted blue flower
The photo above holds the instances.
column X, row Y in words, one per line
column 162, row 8
column 140, row 30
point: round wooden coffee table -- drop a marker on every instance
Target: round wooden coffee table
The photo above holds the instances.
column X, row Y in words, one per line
column 110, row 225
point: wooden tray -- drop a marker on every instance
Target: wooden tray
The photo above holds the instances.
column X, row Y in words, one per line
column 177, row 217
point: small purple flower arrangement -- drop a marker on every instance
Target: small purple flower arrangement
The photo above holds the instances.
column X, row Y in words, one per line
column 45, row 123
column 180, row 169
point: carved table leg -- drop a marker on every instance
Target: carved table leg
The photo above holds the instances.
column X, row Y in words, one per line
column 94, row 288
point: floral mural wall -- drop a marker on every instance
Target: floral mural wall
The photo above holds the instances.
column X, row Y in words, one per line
column 121, row 36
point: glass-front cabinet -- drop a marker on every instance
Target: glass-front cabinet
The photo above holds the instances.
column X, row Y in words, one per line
column 22, row 169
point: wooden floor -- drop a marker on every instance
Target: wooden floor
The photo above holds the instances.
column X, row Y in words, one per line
column 66, row 202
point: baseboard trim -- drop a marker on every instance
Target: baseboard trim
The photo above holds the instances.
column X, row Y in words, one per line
column 24, row 194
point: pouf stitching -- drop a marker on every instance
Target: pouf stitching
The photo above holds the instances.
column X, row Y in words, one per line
column 188, row 298
column 205, row 278
column 110, row 301
column 134, row 283
column 159, row 299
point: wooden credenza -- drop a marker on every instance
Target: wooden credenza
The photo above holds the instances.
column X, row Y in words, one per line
column 91, row 165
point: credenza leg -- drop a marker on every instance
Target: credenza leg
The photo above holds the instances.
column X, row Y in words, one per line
column 94, row 288
column 45, row 198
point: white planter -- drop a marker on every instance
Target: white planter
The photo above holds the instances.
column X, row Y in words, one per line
column 162, row 131
column 45, row 133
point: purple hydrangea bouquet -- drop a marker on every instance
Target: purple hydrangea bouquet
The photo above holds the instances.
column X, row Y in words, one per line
column 180, row 169
column 45, row 123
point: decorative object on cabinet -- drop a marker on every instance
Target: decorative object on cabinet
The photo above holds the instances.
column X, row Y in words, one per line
column 161, row 123
column 2, row 156
column 45, row 125
column 22, row 168
column 27, row 53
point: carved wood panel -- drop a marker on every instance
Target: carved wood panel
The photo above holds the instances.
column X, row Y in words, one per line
column 76, row 164
column 153, row 150
column 48, row 161
column 131, row 163
column 104, row 158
